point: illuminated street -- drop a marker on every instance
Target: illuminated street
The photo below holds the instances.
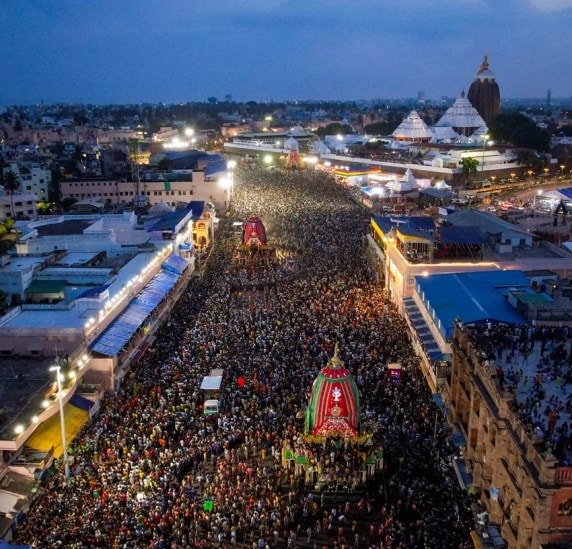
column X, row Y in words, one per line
column 150, row 467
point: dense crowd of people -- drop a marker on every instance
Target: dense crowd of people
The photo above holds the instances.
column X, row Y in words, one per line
column 152, row 471
column 535, row 363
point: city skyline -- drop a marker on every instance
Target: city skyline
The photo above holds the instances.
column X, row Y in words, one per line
column 276, row 50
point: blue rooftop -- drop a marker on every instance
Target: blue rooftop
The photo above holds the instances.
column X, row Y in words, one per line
column 197, row 207
column 169, row 221
column 471, row 297
column 117, row 335
column 567, row 192
column 416, row 223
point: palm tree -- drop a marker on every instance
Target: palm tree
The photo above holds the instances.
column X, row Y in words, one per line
column 79, row 158
column 11, row 185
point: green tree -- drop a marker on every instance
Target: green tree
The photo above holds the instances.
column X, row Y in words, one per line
column 516, row 129
column 380, row 128
column 469, row 165
column 530, row 160
column 67, row 203
column 79, row 159
column 334, row 128
column 11, row 185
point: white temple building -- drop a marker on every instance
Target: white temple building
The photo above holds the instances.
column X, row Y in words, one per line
column 413, row 130
column 461, row 119
column 404, row 185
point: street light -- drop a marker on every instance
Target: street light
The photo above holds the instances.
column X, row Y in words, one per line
column 226, row 184
column 231, row 164
column 57, row 369
column 485, row 143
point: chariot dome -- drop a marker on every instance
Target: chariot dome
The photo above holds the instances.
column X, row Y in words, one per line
column 333, row 410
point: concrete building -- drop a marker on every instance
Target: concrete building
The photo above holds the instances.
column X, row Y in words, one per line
column 18, row 205
column 170, row 188
column 525, row 489
column 92, row 306
column 35, row 178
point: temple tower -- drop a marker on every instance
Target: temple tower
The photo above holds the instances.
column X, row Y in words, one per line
column 484, row 93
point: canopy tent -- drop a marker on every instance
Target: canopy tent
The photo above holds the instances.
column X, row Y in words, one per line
column 114, row 338
column 175, row 264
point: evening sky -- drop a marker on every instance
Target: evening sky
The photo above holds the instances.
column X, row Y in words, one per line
column 122, row 51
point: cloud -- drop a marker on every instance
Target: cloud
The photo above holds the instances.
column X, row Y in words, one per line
column 551, row 5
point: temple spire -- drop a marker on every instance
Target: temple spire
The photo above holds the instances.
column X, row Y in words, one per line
column 485, row 63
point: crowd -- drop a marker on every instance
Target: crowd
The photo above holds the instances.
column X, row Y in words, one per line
column 535, row 363
column 152, row 471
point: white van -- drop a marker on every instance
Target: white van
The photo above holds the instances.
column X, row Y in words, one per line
column 211, row 407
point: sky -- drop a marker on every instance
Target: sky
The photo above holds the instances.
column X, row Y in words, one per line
column 123, row 51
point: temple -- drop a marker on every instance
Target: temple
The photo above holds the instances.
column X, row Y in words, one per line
column 333, row 410
column 484, row 93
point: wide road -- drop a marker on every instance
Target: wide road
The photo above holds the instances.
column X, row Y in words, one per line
column 152, row 472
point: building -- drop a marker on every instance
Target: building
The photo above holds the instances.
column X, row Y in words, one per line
column 155, row 187
column 525, row 488
column 407, row 251
column 462, row 118
column 18, row 205
column 34, row 177
column 413, row 130
column 90, row 306
column 484, row 93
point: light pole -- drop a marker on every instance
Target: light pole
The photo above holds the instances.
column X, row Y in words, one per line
column 485, row 143
column 57, row 369
column 231, row 164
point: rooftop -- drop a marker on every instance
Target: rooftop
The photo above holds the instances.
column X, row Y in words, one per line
column 532, row 365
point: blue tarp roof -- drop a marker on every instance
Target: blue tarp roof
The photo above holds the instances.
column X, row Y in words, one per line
column 462, row 235
column 197, row 207
column 471, row 297
column 94, row 292
column 112, row 340
column 567, row 192
column 175, row 264
column 215, row 166
column 169, row 221
column 423, row 223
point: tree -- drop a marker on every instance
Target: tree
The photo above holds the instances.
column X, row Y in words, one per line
column 469, row 165
column 519, row 130
column 11, row 185
column 67, row 203
column 334, row 128
column 530, row 160
column 79, row 160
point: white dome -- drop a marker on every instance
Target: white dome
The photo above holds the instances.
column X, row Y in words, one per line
column 160, row 208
